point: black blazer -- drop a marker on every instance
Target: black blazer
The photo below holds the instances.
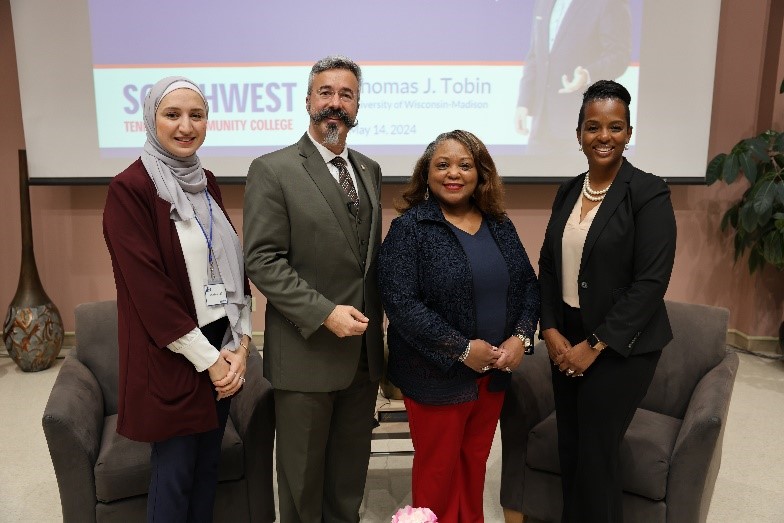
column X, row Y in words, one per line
column 626, row 262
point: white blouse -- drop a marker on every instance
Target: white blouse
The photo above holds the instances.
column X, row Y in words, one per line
column 194, row 345
column 572, row 243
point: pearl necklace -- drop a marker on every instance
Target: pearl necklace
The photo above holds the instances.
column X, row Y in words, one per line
column 594, row 196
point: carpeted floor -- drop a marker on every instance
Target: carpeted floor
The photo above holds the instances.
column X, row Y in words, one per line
column 750, row 486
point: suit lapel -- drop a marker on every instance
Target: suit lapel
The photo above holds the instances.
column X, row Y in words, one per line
column 571, row 18
column 543, row 21
column 364, row 176
column 330, row 190
column 613, row 198
column 560, row 224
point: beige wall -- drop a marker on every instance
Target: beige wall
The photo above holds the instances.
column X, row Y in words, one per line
column 74, row 265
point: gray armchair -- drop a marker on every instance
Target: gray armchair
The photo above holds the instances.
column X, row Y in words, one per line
column 671, row 453
column 103, row 476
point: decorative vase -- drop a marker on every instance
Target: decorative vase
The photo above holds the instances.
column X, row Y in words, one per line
column 33, row 328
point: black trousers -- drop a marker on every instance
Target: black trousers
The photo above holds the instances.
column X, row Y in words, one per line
column 184, row 469
column 593, row 413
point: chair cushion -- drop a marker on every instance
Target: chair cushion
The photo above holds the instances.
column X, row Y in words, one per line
column 97, row 348
column 699, row 344
column 123, row 466
column 645, row 451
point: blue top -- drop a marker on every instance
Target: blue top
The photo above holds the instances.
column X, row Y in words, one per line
column 426, row 286
column 490, row 278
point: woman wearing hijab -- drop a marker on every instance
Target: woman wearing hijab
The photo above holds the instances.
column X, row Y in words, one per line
column 182, row 304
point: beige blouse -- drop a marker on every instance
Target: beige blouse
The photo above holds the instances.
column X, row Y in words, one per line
column 572, row 243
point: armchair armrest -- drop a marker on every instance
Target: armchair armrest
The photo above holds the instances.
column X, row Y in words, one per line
column 253, row 415
column 697, row 454
column 73, row 423
column 529, row 400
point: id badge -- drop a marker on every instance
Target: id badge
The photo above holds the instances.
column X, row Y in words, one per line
column 215, row 294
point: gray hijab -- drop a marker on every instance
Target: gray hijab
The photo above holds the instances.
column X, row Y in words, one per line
column 182, row 182
column 172, row 175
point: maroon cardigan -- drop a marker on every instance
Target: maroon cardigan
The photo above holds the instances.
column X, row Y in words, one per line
column 160, row 393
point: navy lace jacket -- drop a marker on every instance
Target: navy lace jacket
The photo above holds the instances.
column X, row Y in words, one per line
column 427, row 291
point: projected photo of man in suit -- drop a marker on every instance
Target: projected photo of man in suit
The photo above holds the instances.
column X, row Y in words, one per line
column 573, row 43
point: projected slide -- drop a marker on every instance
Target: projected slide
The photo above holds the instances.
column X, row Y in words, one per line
column 428, row 66
column 510, row 71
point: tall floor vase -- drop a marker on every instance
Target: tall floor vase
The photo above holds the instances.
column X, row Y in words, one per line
column 33, row 328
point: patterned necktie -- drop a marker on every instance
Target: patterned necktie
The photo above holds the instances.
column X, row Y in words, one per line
column 345, row 180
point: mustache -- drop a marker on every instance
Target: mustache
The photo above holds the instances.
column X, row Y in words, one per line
column 320, row 116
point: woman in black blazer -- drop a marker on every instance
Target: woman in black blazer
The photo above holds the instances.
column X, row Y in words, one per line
column 604, row 268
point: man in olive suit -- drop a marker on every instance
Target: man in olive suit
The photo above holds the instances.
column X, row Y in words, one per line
column 312, row 229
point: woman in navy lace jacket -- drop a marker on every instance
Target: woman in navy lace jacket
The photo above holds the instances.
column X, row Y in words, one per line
column 463, row 303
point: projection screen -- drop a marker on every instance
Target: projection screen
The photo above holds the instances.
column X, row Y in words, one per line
column 428, row 66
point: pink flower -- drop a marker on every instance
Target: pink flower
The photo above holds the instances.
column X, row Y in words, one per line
column 408, row 514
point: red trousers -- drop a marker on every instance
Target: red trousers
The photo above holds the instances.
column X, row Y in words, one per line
column 451, row 447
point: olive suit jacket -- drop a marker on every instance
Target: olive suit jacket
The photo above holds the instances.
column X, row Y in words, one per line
column 303, row 254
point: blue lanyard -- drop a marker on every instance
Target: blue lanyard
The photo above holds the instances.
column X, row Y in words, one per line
column 208, row 238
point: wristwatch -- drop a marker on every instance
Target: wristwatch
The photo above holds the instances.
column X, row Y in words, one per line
column 527, row 345
column 596, row 344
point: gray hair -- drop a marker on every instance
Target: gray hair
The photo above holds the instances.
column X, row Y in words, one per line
column 334, row 62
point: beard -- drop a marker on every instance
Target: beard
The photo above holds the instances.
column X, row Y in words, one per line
column 332, row 136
